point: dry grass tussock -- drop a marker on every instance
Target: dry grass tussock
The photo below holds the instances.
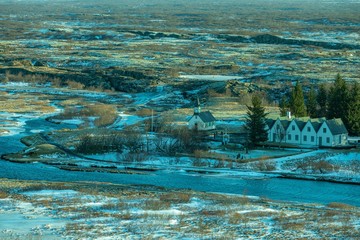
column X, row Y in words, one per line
column 338, row 205
column 103, row 114
column 24, row 104
column 3, row 194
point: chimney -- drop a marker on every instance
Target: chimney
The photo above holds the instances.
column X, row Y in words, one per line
column 288, row 114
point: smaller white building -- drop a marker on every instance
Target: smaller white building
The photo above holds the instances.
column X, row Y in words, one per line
column 202, row 121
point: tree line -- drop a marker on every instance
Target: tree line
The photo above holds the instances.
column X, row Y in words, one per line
column 339, row 100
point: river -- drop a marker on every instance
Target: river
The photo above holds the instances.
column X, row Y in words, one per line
column 272, row 188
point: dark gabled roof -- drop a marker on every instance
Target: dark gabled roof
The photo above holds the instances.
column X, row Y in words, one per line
column 285, row 123
column 317, row 122
column 270, row 122
column 336, row 126
column 207, row 116
column 300, row 123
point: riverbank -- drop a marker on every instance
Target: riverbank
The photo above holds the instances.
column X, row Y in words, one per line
column 72, row 210
column 320, row 165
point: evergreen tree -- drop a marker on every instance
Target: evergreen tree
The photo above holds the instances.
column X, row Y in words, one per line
column 255, row 122
column 338, row 100
column 353, row 115
column 297, row 103
column 311, row 103
column 322, row 101
column 284, row 106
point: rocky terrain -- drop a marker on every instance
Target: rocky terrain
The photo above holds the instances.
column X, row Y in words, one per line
column 135, row 47
column 82, row 82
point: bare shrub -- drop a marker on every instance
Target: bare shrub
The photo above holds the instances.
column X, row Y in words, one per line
column 263, row 165
column 219, row 164
column 198, row 162
column 104, row 142
column 133, row 140
column 135, row 157
column 323, row 166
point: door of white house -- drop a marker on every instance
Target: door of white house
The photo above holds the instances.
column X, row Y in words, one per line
column 320, row 141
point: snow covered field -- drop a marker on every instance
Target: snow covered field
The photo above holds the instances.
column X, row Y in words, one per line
column 42, row 210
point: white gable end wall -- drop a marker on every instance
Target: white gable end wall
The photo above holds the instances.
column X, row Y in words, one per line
column 325, row 137
column 196, row 122
column 293, row 133
column 277, row 132
column 308, row 135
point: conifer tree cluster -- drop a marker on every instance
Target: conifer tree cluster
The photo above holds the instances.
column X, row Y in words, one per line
column 341, row 100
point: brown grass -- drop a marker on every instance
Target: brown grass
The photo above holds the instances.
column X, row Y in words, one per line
column 156, row 205
column 3, row 194
column 338, row 205
column 175, row 197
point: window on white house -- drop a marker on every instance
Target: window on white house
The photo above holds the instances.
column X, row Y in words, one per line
column 296, row 137
column 305, row 138
column 327, row 140
column 308, row 129
column 312, row 139
column 293, row 127
column 324, row 130
column 289, row 136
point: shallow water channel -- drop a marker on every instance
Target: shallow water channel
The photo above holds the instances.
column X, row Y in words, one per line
column 272, row 188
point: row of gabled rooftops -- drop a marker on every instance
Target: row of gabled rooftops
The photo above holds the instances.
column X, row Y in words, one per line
column 335, row 125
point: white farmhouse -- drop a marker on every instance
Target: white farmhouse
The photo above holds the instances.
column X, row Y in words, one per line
column 317, row 132
column 202, row 121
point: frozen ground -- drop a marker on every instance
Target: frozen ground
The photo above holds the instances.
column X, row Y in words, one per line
column 33, row 210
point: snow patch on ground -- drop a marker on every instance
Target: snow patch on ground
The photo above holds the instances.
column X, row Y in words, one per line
column 210, row 77
column 52, row 193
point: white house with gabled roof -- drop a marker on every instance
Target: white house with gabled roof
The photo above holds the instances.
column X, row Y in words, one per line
column 317, row 132
column 202, row 121
column 332, row 133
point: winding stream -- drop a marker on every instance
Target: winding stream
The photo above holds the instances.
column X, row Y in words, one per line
column 273, row 188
